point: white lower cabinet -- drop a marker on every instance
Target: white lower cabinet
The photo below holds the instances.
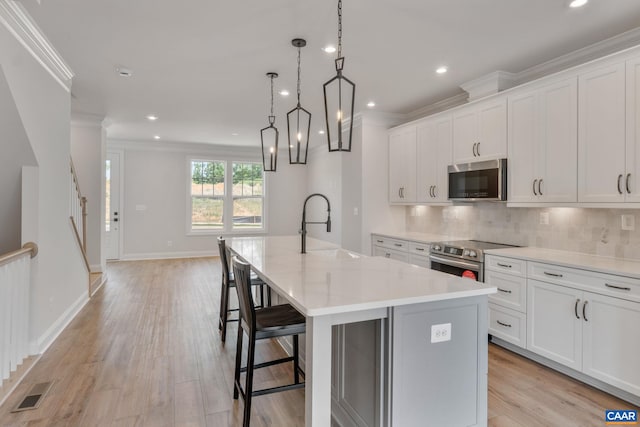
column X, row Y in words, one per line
column 595, row 334
column 507, row 324
column 402, row 250
column 390, row 253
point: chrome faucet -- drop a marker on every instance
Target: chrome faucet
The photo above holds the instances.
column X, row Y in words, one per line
column 303, row 231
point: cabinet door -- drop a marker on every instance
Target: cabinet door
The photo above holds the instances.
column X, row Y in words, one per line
column 601, row 135
column 402, row 165
column 427, row 155
column 390, row 253
column 444, row 138
column 492, row 130
column 523, row 148
column 612, row 341
column 465, row 135
column 558, row 161
column 632, row 179
column 553, row 329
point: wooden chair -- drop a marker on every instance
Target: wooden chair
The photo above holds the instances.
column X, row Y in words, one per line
column 262, row 323
column 228, row 282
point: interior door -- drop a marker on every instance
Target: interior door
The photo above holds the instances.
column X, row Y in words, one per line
column 112, row 205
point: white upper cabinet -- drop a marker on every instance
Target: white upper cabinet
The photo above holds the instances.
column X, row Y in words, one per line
column 632, row 178
column 433, row 156
column 543, row 143
column 402, row 165
column 480, row 131
column 601, row 135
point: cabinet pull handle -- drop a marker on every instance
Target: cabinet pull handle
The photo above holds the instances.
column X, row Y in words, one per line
column 474, row 149
column 387, row 255
column 380, row 241
column 478, row 149
column 503, row 324
column 552, row 274
column 504, row 265
column 584, row 311
column 575, row 309
column 622, row 288
column 420, row 249
column 540, row 186
column 398, row 245
column 399, row 192
column 506, row 291
column 619, row 179
column 535, row 181
column 627, row 183
column 435, row 192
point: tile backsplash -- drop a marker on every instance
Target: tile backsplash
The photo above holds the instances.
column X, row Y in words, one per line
column 592, row 231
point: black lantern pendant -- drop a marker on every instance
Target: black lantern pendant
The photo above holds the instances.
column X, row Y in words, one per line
column 298, row 122
column 339, row 100
column 269, row 137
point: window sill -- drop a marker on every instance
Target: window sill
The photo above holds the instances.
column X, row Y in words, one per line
column 229, row 233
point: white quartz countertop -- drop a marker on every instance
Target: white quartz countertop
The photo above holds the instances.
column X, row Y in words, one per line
column 330, row 280
column 417, row 237
column 619, row 266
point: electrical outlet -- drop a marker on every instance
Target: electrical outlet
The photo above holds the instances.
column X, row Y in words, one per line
column 169, row 243
column 440, row 333
column 355, row 211
column 628, row 222
column 544, row 218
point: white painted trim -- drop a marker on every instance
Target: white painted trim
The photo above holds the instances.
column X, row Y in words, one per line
column 17, row 20
column 18, row 381
column 96, row 268
column 102, row 282
column 489, row 84
column 42, row 343
column 440, row 106
column 87, row 120
column 167, row 255
column 193, row 148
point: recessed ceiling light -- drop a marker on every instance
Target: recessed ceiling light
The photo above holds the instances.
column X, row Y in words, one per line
column 234, row 134
column 442, row 70
column 124, row 72
column 371, row 104
column 578, row 3
column 152, row 117
column 321, row 132
column 284, row 92
column 156, row 137
column 329, row 49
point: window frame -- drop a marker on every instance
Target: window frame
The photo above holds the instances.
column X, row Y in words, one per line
column 227, row 197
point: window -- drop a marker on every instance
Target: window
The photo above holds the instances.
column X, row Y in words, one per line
column 247, row 195
column 212, row 200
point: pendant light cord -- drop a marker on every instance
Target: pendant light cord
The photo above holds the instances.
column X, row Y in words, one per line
column 298, row 76
column 272, row 118
column 339, row 28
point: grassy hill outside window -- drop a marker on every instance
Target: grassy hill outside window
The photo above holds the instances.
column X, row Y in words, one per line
column 212, row 201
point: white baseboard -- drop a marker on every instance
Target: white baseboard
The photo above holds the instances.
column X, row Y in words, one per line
column 41, row 344
column 168, row 255
column 96, row 268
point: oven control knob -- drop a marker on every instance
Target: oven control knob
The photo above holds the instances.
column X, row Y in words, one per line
column 437, row 248
column 473, row 254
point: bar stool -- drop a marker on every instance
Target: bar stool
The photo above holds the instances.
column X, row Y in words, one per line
column 268, row 322
column 229, row 282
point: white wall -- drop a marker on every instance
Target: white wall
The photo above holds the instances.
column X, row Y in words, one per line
column 15, row 153
column 324, row 175
column 86, row 152
column 60, row 280
column 155, row 176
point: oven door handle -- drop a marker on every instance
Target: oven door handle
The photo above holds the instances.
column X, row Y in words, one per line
column 455, row 263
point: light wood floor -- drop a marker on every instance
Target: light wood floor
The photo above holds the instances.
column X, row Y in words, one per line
column 146, row 352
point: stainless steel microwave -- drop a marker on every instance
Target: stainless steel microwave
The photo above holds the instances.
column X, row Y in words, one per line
column 479, row 181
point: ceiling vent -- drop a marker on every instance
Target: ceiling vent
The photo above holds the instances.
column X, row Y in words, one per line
column 489, row 84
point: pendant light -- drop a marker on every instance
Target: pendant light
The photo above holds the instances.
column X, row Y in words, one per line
column 339, row 97
column 269, row 137
column 298, row 122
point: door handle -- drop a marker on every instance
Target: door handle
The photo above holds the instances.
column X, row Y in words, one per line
column 535, row 181
column 619, row 179
column 627, row 183
column 431, row 191
column 435, row 193
column 478, row 149
column 474, row 149
column 540, row 186
column 575, row 308
column 584, row 311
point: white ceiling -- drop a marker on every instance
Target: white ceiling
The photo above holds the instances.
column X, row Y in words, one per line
column 200, row 65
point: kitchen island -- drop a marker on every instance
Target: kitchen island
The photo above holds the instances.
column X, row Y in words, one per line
column 435, row 327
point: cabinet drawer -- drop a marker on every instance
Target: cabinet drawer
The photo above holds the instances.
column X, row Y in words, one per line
column 390, row 253
column 606, row 284
column 506, row 265
column 385, row 242
column 508, row 325
column 419, row 248
column 512, row 290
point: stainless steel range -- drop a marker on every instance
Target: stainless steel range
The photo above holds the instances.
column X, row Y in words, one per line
column 463, row 258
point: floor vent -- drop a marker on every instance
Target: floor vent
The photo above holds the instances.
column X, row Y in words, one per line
column 34, row 397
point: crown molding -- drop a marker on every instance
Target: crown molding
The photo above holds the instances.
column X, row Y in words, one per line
column 489, row 84
column 19, row 23
column 87, row 120
column 597, row 50
column 186, row 148
column 437, row 107
column 381, row 118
